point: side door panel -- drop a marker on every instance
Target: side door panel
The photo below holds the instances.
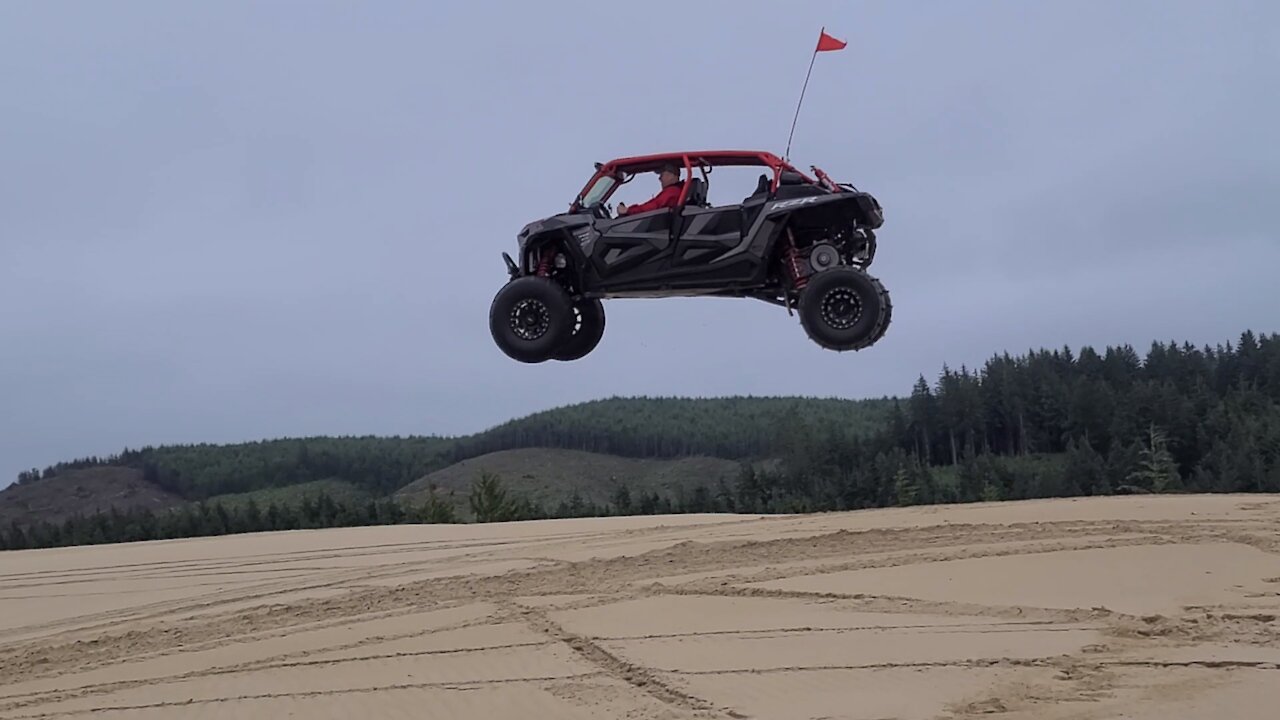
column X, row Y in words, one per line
column 634, row 248
column 705, row 246
column 705, row 234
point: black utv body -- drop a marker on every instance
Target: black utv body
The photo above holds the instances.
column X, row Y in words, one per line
column 799, row 242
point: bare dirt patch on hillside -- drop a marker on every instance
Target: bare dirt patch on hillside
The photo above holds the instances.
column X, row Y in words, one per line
column 550, row 476
column 82, row 492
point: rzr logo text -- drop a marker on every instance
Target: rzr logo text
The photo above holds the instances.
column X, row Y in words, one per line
column 792, row 203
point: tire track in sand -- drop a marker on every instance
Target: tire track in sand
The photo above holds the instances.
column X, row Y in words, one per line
column 939, row 543
column 725, row 550
column 639, row 677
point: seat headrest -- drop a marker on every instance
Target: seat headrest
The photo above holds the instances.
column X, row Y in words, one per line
column 697, row 192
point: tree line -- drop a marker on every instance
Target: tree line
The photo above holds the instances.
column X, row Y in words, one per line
column 491, row 499
column 1048, row 423
column 1214, row 411
column 202, row 519
column 730, row 428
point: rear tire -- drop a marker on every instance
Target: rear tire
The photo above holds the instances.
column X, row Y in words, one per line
column 530, row 318
column 589, row 322
column 844, row 308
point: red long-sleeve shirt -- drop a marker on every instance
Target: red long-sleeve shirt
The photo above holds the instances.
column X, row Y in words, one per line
column 667, row 197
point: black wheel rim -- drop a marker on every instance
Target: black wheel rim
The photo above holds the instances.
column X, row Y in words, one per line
column 530, row 319
column 841, row 308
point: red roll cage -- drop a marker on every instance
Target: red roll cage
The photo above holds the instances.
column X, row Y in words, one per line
column 688, row 160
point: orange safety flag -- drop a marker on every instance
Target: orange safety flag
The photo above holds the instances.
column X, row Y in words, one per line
column 827, row 43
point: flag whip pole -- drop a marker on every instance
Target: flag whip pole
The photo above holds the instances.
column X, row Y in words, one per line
column 787, row 155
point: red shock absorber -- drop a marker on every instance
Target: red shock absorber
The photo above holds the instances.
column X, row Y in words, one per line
column 544, row 261
column 825, row 179
column 798, row 279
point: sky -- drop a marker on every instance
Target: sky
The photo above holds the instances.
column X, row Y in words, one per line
column 244, row 220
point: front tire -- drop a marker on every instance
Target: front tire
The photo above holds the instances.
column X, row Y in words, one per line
column 844, row 308
column 530, row 318
column 589, row 328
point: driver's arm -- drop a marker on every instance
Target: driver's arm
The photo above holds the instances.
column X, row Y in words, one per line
column 666, row 198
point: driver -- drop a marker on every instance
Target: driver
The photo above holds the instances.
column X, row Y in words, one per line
column 668, row 196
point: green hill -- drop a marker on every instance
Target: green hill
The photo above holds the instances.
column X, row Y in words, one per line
column 1049, row 423
column 665, row 427
column 665, row 444
column 549, row 477
column 293, row 496
column 725, row 428
column 81, row 492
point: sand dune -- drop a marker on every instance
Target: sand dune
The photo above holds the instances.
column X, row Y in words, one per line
column 1136, row 607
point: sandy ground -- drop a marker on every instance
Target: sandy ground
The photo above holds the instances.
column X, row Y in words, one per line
column 1147, row 608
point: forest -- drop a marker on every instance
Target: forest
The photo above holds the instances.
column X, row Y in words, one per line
column 730, row 428
column 1047, row 423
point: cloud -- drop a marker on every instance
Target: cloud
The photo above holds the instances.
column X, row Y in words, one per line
column 230, row 221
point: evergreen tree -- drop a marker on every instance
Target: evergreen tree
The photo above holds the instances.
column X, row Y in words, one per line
column 906, row 487
column 622, row 499
column 489, row 500
column 437, row 510
column 1156, row 469
column 1086, row 468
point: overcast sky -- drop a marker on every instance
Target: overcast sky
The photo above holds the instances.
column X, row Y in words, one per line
column 242, row 220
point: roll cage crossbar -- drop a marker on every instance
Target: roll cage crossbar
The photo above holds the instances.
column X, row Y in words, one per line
column 620, row 170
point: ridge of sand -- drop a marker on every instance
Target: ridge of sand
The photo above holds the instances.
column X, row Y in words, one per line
column 1081, row 609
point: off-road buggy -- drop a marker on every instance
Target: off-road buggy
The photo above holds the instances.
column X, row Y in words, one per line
column 799, row 242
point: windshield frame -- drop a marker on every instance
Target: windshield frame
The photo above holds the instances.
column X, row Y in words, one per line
column 598, row 190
